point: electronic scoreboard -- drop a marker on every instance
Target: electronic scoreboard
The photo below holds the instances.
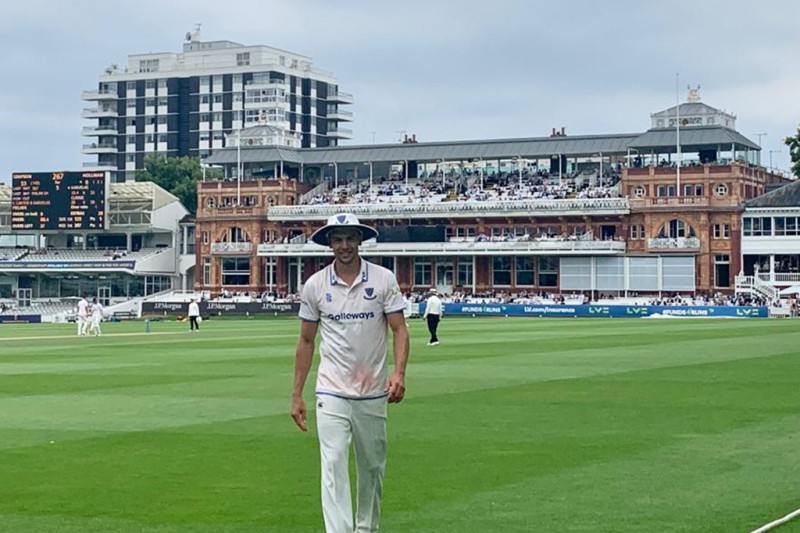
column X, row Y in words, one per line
column 42, row 201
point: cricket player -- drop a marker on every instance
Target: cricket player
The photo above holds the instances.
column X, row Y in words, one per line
column 83, row 315
column 97, row 317
column 350, row 302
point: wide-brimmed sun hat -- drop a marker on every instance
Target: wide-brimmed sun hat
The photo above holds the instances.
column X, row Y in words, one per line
column 342, row 220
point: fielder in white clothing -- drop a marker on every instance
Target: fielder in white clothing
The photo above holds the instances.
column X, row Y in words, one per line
column 83, row 315
column 97, row 316
column 351, row 302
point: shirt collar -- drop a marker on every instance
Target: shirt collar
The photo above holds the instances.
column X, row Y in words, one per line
column 333, row 279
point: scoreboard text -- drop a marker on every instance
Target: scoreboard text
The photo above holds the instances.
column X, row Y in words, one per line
column 58, row 201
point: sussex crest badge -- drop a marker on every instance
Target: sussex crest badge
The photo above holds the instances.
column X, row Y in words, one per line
column 341, row 218
column 369, row 293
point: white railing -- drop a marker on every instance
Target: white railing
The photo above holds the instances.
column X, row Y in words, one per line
column 780, row 277
column 673, row 243
column 393, row 210
column 540, row 247
column 754, row 285
column 231, row 247
column 322, row 188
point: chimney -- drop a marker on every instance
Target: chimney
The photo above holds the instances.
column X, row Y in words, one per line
column 562, row 131
column 553, row 134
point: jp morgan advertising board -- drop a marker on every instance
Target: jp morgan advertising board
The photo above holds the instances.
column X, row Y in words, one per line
column 221, row 308
column 608, row 311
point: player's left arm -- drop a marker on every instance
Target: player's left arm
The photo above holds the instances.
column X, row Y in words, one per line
column 396, row 384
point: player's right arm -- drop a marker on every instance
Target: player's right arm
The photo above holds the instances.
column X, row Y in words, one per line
column 309, row 316
column 302, row 366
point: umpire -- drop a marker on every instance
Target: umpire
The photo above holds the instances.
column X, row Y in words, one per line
column 433, row 314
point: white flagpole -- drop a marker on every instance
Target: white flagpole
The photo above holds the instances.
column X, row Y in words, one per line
column 678, row 132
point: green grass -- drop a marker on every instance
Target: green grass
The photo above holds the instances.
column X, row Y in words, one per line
column 510, row 425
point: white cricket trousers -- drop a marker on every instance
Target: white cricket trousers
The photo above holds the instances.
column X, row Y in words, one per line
column 340, row 421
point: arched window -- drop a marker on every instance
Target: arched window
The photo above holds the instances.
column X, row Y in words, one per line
column 235, row 234
column 676, row 228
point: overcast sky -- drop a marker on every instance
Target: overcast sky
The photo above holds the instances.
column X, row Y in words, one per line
column 443, row 69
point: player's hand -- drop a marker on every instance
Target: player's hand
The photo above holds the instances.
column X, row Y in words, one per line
column 396, row 387
column 299, row 413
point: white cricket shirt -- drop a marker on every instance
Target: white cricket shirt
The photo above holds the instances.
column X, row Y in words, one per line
column 83, row 308
column 433, row 305
column 353, row 329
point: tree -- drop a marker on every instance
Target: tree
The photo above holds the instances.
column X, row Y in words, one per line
column 178, row 175
column 794, row 151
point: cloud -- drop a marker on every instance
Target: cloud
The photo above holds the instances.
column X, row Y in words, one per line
column 446, row 69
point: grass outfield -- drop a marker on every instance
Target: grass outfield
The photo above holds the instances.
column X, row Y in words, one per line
column 510, row 425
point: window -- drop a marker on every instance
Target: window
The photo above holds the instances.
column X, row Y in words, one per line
column 162, row 137
column 721, row 189
column 634, row 231
column 211, row 202
column 674, row 229
column 722, row 270
column 444, row 272
column 216, row 117
column 525, row 271
column 206, row 271
column 205, row 98
column 464, row 272
column 162, row 83
column 665, row 190
column 501, row 271
column 131, row 85
column 722, row 231
column 204, row 117
column 758, row 227
column 270, row 272
column 548, row 271
column 243, row 59
column 131, row 139
column 217, row 98
column 237, row 78
column 148, row 65
column 131, row 103
column 639, row 191
column 786, row 226
column 236, row 271
column 150, row 84
column 205, row 237
column 692, row 189
column 422, row 272
column 162, row 119
column 162, row 101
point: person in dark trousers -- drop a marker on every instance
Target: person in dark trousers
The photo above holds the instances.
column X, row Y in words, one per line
column 194, row 313
column 433, row 314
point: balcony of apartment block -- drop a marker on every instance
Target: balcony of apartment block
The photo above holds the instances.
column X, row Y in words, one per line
column 96, row 131
column 341, row 115
column 100, row 112
column 673, row 244
column 340, row 133
column 99, row 148
column 99, row 166
column 341, row 97
column 99, row 95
